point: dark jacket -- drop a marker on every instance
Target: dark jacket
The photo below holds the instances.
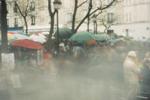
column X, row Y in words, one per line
column 145, row 82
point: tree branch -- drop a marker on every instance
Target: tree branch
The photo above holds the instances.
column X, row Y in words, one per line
column 103, row 8
column 16, row 4
column 51, row 13
column 26, row 11
column 49, row 7
column 86, row 16
column 82, row 4
column 99, row 13
column 74, row 15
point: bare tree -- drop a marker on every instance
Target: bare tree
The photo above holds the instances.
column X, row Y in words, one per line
column 107, row 22
column 23, row 7
column 52, row 16
column 77, row 5
column 3, row 22
column 50, row 43
column 90, row 11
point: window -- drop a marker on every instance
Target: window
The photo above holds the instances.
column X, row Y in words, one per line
column 129, row 17
column 7, row 22
column 15, row 22
column 32, row 7
column 129, row 2
column 33, row 20
column 110, row 17
column 15, row 8
column 69, row 17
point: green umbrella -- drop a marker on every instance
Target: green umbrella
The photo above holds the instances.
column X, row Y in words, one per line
column 115, row 41
column 113, row 36
column 64, row 33
column 82, row 37
column 102, row 37
column 101, row 33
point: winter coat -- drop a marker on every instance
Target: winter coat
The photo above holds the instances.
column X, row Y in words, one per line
column 145, row 82
column 131, row 71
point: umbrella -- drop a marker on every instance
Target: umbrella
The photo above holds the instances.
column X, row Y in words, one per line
column 15, row 36
column 26, row 43
column 64, row 33
column 115, row 41
column 10, row 36
column 82, row 37
column 18, row 36
column 102, row 37
column 91, row 42
column 38, row 38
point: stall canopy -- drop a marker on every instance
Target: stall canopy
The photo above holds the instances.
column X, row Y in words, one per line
column 102, row 37
column 64, row 33
column 82, row 37
column 38, row 37
column 15, row 36
column 26, row 43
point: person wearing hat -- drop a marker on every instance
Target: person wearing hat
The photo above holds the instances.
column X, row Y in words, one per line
column 131, row 74
column 62, row 50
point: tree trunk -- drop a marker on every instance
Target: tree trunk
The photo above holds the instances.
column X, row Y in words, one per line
column 85, row 17
column 51, row 26
column 4, row 26
column 26, row 25
column 88, row 23
column 81, row 22
column 50, row 43
column 74, row 16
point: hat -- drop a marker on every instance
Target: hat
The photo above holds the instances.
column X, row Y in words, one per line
column 61, row 45
column 132, row 54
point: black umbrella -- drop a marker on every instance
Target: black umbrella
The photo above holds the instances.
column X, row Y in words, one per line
column 64, row 33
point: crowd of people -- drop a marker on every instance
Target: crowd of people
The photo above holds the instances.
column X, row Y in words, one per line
column 135, row 70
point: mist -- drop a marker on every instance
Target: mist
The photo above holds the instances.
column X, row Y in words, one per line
column 96, row 77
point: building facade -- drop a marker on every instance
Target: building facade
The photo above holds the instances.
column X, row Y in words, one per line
column 134, row 19
column 131, row 17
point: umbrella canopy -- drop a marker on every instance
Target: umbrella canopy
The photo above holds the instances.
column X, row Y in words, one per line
column 82, row 37
column 26, row 43
column 15, row 36
column 102, row 37
column 118, row 40
column 38, row 38
column 91, row 42
column 10, row 36
column 64, row 33
column 18, row 36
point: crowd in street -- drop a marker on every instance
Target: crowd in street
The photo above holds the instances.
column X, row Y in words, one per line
column 113, row 66
column 136, row 70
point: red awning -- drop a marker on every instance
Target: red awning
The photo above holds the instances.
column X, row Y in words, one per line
column 26, row 43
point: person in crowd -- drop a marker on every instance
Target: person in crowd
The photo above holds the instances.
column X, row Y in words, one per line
column 145, row 77
column 62, row 50
column 68, row 46
column 47, row 59
column 131, row 75
column 79, row 53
